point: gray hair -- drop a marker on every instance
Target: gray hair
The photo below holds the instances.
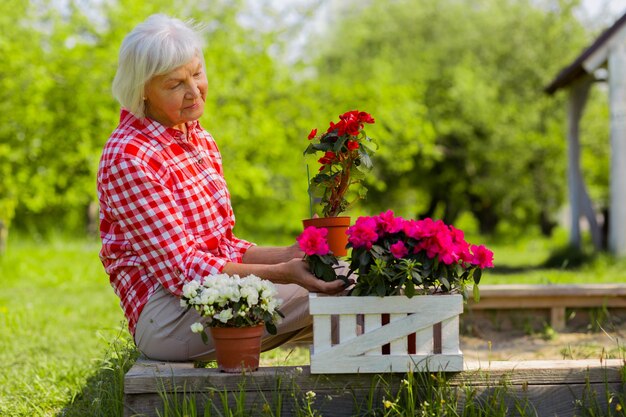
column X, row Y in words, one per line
column 154, row 47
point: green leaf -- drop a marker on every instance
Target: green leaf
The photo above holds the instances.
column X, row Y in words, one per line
column 270, row 327
column 339, row 144
column 445, row 283
column 478, row 273
column 205, row 338
column 380, row 288
column 366, row 161
column 409, row 289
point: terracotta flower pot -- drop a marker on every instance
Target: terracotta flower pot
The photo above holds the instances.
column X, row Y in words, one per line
column 337, row 228
column 237, row 348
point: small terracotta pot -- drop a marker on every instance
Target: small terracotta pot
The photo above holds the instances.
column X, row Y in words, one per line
column 337, row 228
column 237, row 348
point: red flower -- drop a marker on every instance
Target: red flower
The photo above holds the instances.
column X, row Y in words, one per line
column 363, row 232
column 352, row 145
column 398, row 250
column 366, row 117
column 328, row 158
column 312, row 134
column 389, row 223
column 313, row 241
column 483, row 257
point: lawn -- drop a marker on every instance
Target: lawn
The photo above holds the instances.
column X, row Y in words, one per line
column 63, row 337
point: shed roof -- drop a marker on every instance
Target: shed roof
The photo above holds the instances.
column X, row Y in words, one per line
column 580, row 66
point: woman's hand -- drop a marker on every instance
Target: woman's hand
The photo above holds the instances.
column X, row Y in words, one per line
column 298, row 271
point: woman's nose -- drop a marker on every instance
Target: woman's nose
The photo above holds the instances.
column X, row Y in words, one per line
column 193, row 91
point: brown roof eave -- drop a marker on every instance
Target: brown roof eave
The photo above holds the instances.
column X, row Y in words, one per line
column 575, row 70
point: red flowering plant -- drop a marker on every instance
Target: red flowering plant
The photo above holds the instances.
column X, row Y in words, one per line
column 346, row 155
column 394, row 256
column 322, row 263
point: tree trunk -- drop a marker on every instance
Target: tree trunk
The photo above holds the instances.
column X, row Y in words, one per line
column 4, row 236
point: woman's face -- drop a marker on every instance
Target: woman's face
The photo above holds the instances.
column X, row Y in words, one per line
column 178, row 96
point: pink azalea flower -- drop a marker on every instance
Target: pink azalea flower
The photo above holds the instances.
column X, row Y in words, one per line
column 483, row 257
column 411, row 229
column 363, row 232
column 398, row 250
column 313, row 241
column 389, row 223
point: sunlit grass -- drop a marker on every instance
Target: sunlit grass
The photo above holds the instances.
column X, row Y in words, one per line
column 58, row 314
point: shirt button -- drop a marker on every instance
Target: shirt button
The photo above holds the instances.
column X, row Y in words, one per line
column 177, row 271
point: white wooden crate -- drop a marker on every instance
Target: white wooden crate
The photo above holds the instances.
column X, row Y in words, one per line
column 422, row 334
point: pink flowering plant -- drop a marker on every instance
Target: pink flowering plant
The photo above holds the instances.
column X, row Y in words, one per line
column 394, row 256
column 322, row 262
column 346, row 156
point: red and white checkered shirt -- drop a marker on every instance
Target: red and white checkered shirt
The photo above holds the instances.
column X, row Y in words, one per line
column 165, row 213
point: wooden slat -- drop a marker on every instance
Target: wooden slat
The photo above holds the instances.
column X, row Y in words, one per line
column 322, row 330
column 381, row 334
column 398, row 346
column 450, row 336
column 371, row 322
column 319, row 304
column 347, row 327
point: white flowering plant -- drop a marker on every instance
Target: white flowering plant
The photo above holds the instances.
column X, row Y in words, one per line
column 232, row 301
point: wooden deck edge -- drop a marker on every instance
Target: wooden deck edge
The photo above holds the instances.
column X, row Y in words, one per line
column 549, row 387
column 152, row 377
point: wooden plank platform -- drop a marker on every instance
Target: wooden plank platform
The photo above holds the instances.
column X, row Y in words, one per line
column 550, row 387
column 555, row 298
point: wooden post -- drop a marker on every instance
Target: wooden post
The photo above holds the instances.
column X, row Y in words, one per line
column 617, row 99
column 577, row 100
column 580, row 203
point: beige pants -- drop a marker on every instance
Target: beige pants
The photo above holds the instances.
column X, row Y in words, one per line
column 163, row 329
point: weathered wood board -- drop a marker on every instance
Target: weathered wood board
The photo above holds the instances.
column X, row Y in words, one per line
column 550, row 387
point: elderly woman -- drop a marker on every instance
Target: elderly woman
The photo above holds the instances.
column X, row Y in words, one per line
column 165, row 212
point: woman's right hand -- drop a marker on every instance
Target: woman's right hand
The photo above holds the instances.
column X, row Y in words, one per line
column 298, row 273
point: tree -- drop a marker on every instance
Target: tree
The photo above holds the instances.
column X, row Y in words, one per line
column 457, row 87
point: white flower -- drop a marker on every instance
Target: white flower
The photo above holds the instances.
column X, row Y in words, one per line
column 190, row 289
column 224, row 315
column 197, row 327
column 310, row 395
column 251, row 295
column 183, row 303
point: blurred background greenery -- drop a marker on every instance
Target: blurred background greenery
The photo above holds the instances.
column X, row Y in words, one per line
column 466, row 133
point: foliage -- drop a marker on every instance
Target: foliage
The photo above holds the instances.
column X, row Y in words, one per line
column 468, row 126
column 346, row 151
column 472, row 129
column 232, row 302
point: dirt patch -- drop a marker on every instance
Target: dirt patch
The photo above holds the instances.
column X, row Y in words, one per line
column 525, row 337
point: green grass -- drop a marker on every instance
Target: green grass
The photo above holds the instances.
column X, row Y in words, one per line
column 58, row 315
column 550, row 261
column 64, row 347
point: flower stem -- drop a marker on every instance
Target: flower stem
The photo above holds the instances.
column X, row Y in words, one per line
column 308, row 190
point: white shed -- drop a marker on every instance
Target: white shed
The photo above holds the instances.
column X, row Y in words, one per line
column 607, row 52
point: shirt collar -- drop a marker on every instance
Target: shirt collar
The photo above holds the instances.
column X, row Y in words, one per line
column 154, row 129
